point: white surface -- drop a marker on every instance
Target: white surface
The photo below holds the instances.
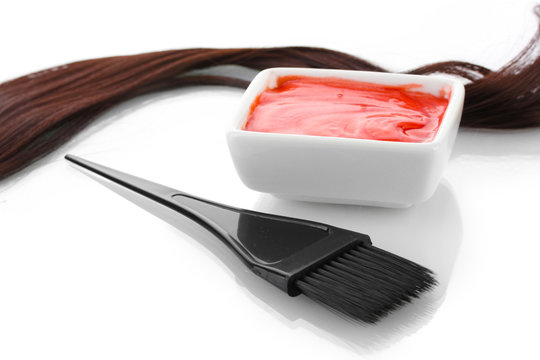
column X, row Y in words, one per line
column 84, row 274
column 341, row 170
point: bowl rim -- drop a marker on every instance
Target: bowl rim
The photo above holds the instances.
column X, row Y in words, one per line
column 260, row 81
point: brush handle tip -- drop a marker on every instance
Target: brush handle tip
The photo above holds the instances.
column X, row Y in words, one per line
column 70, row 157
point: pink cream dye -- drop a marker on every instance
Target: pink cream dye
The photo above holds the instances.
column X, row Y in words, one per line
column 347, row 108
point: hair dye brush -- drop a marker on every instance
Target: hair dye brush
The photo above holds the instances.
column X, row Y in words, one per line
column 336, row 267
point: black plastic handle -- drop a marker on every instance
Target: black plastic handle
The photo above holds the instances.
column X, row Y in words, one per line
column 278, row 248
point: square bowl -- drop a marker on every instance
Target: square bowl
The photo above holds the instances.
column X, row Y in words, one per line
column 344, row 170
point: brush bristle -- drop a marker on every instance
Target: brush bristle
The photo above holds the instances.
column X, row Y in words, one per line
column 366, row 283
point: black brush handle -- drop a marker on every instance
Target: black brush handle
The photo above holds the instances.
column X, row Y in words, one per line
column 258, row 237
column 280, row 249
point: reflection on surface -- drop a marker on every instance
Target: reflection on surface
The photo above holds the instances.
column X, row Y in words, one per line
column 429, row 233
column 496, row 143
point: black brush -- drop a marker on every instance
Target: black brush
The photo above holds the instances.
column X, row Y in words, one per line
column 336, row 267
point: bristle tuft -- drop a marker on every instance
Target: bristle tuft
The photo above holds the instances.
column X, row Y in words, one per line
column 366, row 283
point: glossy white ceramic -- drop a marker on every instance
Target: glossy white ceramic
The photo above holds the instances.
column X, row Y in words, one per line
column 344, row 170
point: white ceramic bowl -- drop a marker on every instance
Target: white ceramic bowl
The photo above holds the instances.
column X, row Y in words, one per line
column 344, row 170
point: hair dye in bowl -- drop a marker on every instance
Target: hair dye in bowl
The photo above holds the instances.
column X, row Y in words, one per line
column 347, row 108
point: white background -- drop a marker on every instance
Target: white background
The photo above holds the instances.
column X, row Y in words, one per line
column 85, row 274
